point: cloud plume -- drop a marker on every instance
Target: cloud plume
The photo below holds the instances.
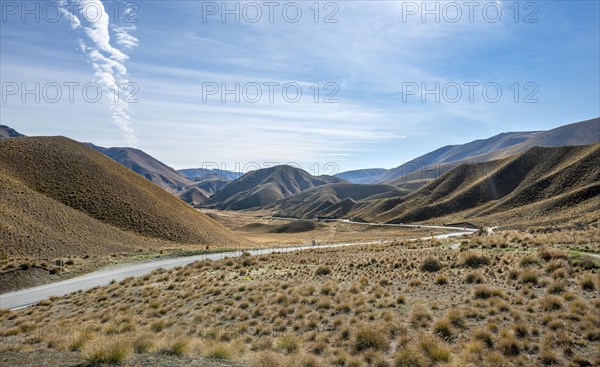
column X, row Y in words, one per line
column 90, row 18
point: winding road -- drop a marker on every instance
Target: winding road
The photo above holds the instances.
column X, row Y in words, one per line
column 31, row 296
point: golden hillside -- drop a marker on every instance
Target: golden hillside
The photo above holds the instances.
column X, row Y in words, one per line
column 57, row 193
column 535, row 183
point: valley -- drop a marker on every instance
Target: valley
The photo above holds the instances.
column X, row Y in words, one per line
column 111, row 257
column 299, row 184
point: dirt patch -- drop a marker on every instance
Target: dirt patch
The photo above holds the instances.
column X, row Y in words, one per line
column 20, row 279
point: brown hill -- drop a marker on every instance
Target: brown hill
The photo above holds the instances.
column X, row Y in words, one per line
column 422, row 170
column 211, row 185
column 264, row 187
column 579, row 133
column 147, row 166
column 433, row 161
column 332, row 200
column 540, row 180
column 431, row 166
column 58, row 193
column 193, row 195
column 200, row 191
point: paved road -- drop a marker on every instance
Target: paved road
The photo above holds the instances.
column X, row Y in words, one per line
column 103, row 277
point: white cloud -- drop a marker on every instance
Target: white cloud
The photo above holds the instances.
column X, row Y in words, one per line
column 107, row 60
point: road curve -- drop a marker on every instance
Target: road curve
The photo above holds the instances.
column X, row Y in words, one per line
column 31, row 296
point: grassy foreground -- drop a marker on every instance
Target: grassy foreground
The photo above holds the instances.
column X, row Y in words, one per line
column 508, row 299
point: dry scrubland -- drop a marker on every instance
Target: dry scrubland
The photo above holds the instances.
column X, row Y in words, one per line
column 257, row 227
column 501, row 300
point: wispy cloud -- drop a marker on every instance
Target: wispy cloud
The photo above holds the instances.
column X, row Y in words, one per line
column 107, row 60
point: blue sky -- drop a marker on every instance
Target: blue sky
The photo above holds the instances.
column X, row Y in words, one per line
column 170, row 51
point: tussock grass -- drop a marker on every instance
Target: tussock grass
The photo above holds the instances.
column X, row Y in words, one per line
column 281, row 313
column 106, row 350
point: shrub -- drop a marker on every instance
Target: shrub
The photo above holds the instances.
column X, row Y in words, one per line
column 455, row 316
column 528, row 261
column 551, row 303
column 431, row 265
column 157, row 326
column 415, row 282
column 288, row 344
column 323, row 270
column 442, row 328
column 483, row 336
column 434, row 349
column 441, row 280
column 143, row 343
column 106, row 351
column 586, row 262
column 265, row 359
column 367, row 337
column 495, row 359
column 529, row 276
column 557, row 287
column 473, row 259
column 420, row 316
column 548, row 254
column 474, row 278
column 548, row 357
column 508, row 344
column 587, row 282
column 483, row 292
column 177, row 347
column 309, row 361
column 219, row 351
column 409, row 357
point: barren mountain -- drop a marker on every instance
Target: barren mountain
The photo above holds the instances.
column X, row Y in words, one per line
column 198, row 192
column 147, row 166
column 203, row 174
column 7, row 132
column 579, row 133
column 456, row 153
column 193, row 195
column 211, row 186
column 332, row 200
column 422, row 170
column 263, row 187
column 362, row 176
column 533, row 183
column 59, row 196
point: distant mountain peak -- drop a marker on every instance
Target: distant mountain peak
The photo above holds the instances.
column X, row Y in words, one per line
column 8, row 132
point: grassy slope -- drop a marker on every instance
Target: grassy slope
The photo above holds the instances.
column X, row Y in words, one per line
column 71, row 194
column 149, row 167
column 332, row 200
column 540, row 178
column 262, row 187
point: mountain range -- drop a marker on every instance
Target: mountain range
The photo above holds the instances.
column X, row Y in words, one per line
column 147, row 166
column 441, row 183
column 423, row 169
column 265, row 186
column 534, row 183
column 203, row 174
